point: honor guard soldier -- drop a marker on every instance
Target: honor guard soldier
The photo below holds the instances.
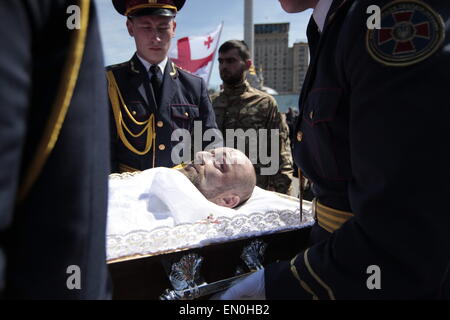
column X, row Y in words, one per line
column 374, row 120
column 150, row 96
column 53, row 168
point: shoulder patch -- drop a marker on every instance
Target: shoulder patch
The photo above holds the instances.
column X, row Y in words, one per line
column 410, row 32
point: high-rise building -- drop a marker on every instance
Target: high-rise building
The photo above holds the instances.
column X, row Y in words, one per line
column 271, row 54
column 300, row 62
column 283, row 68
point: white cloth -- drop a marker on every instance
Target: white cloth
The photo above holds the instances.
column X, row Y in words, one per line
column 160, row 210
column 163, row 197
column 320, row 13
column 160, row 197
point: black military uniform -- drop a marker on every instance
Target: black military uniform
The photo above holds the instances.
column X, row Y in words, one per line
column 374, row 122
column 53, row 180
column 143, row 119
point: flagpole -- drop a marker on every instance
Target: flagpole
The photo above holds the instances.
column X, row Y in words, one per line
column 215, row 52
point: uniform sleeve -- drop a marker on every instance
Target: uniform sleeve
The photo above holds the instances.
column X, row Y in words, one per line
column 15, row 83
column 281, row 181
column 397, row 245
column 113, row 139
column 63, row 220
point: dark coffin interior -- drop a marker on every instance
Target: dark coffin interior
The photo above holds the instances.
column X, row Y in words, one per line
column 147, row 277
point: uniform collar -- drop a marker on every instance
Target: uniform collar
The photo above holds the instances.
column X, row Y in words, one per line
column 147, row 65
column 236, row 89
column 320, row 13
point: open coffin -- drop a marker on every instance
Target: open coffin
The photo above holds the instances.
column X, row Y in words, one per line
column 156, row 218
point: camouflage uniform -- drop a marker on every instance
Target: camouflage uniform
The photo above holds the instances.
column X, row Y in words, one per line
column 244, row 107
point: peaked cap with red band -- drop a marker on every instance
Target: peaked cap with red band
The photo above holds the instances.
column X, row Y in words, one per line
column 132, row 8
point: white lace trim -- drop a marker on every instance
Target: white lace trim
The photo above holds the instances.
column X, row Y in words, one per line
column 212, row 230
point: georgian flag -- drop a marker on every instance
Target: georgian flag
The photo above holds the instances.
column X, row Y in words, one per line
column 196, row 53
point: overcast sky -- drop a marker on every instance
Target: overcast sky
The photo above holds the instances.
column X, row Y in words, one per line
column 199, row 17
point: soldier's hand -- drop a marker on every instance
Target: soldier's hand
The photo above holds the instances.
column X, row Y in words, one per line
column 250, row 288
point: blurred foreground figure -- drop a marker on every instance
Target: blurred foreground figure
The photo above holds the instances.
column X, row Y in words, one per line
column 54, row 152
column 374, row 119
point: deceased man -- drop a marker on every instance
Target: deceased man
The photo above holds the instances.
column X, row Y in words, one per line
column 213, row 199
column 224, row 176
column 217, row 180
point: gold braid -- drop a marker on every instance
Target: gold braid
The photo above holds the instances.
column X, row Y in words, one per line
column 149, row 125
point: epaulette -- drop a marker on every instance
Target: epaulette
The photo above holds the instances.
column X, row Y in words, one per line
column 178, row 67
column 116, row 66
column 187, row 71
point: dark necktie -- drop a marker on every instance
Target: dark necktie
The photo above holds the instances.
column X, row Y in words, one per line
column 155, row 80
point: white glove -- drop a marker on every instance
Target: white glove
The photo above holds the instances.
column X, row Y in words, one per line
column 250, row 288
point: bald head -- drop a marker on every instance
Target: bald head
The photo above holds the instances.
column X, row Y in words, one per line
column 224, row 176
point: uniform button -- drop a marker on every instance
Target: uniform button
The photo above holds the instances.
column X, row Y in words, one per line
column 160, row 124
column 186, row 114
column 162, row 147
column 134, row 113
column 311, row 115
column 299, row 136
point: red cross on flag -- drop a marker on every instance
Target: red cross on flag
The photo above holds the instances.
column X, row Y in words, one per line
column 196, row 53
